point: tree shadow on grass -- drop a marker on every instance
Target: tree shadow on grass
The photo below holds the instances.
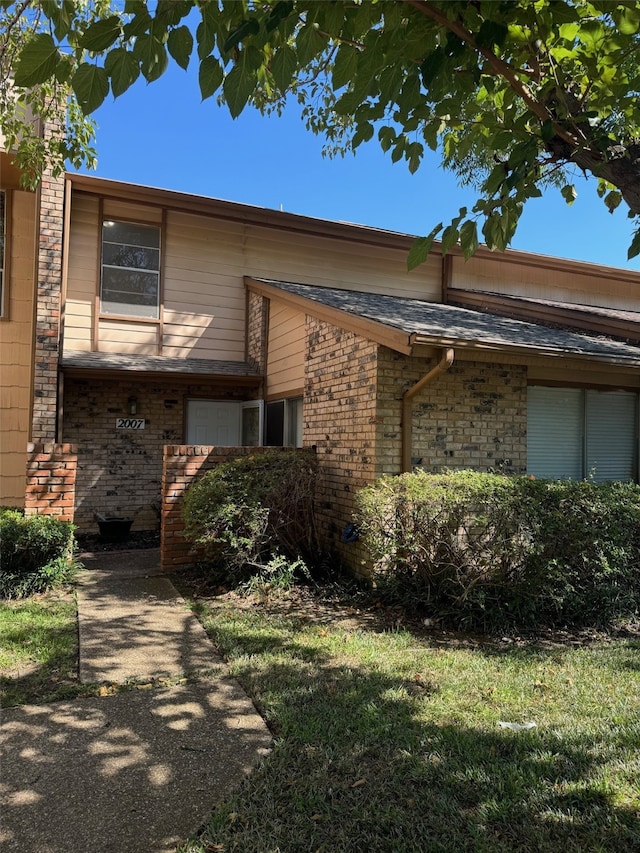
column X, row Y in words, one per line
column 358, row 765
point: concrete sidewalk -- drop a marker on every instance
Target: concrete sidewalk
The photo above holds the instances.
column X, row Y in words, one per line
column 138, row 771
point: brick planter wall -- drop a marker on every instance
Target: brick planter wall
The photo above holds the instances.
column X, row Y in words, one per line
column 181, row 465
column 51, row 480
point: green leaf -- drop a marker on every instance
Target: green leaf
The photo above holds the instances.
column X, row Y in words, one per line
column 309, row 43
column 250, row 27
column 344, row 67
column 279, row 12
column 613, row 200
column 469, row 239
column 37, row 62
column 180, row 46
column 205, row 33
column 569, row 193
column 492, row 34
column 283, row 67
column 123, row 70
column 420, row 248
column 152, row 55
column 210, row 76
column 101, row 34
column 634, row 248
column 91, row 86
column 139, row 24
column 238, row 87
column 60, row 15
column 449, row 238
column 495, row 179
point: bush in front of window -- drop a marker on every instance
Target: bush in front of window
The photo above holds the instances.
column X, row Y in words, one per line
column 488, row 552
column 37, row 553
column 250, row 510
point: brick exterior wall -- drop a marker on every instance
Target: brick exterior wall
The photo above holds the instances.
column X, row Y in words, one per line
column 120, row 471
column 473, row 415
column 181, row 466
column 48, row 304
column 340, row 420
column 51, row 480
column 257, row 325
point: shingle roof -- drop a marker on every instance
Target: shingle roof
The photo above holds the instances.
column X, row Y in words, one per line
column 438, row 324
column 157, row 364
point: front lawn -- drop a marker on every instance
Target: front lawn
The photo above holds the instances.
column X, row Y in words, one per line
column 390, row 740
column 38, row 649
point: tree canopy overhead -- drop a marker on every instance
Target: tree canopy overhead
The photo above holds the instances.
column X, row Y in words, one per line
column 515, row 95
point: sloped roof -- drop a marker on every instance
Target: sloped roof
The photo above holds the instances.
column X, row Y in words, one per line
column 158, row 366
column 438, row 324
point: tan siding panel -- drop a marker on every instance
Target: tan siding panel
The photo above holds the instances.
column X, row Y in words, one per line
column 128, row 338
column 285, row 357
column 82, row 277
column 499, row 275
column 16, row 349
column 125, row 210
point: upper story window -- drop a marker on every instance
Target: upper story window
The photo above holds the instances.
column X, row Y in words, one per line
column 3, row 239
column 130, row 269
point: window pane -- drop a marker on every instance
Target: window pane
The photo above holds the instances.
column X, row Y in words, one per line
column 129, row 292
column 251, row 425
column 130, row 269
column 131, row 233
column 611, row 435
column 294, row 422
column 555, row 432
column 274, row 424
column 136, row 257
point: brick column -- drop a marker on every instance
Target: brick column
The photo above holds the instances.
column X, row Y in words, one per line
column 48, row 305
column 51, row 480
column 257, row 321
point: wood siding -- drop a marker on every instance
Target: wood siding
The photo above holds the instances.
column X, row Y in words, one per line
column 16, row 349
column 547, row 278
column 204, row 260
column 286, row 352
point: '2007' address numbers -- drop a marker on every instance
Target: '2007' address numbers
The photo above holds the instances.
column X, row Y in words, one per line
column 129, row 423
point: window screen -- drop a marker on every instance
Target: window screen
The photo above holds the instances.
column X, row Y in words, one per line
column 130, row 269
column 573, row 434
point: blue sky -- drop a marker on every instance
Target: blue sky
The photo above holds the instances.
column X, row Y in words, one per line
column 163, row 135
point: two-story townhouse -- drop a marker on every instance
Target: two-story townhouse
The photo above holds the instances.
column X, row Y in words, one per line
column 192, row 321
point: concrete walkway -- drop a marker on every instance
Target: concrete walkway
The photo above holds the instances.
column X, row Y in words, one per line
column 138, row 771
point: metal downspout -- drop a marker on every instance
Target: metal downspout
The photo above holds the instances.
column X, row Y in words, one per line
column 445, row 363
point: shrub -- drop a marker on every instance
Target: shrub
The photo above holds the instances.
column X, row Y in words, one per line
column 490, row 552
column 251, row 509
column 37, row 553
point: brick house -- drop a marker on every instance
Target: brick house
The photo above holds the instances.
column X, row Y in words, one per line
column 160, row 320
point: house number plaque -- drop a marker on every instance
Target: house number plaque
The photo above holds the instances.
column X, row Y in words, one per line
column 130, row 423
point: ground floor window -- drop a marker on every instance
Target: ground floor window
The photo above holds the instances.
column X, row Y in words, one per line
column 283, row 423
column 575, row 433
column 252, row 423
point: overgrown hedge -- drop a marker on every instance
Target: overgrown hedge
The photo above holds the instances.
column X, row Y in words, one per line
column 490, row 552
column 250, row 510
column 36, row 555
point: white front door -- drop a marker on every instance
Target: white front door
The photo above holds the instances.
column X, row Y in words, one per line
column 214, row 423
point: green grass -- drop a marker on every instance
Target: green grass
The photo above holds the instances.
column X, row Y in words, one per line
column 391, row 742
column 38, row 649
